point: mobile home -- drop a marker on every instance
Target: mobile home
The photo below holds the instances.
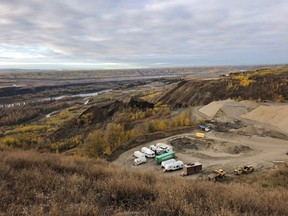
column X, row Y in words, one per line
column 173, row 166
column 148, row 152
column 165, row 147
column 164, row 157
column 139, row 154
column 140, row 160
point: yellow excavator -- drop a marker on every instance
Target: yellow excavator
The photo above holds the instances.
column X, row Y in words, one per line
column 244, row 170
column 217, row 175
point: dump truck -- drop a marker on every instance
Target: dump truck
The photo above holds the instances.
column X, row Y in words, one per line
column 244, row 170
column 217, row 175
column 191, row 168
column 140, row 160
column 164, row 157
column 173, row 166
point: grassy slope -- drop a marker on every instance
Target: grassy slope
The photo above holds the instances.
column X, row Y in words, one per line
column 260, row 85
column 49, row 184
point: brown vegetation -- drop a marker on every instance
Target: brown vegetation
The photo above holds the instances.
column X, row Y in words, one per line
column 106, row 140
column 45, row 184
column 22, row 114
column 260, row 85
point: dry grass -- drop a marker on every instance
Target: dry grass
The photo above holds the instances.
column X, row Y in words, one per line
column 50, row 184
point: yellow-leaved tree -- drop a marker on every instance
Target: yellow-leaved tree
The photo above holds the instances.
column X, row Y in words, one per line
column 114, row 135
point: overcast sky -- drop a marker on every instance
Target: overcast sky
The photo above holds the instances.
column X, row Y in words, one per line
column 142, row 33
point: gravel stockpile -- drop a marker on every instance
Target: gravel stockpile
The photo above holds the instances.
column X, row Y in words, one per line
column 224, row 110
column 272, row 115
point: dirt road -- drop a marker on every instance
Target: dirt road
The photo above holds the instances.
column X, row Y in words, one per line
column 234, row 141
column 217, row 150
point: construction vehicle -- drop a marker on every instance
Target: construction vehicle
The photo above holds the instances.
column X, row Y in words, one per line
column 200, row 135
column 204, row 128
column 244, row 170
column 217, row 175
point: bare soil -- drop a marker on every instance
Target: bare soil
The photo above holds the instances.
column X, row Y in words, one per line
column 218, row 150
column 253, row 142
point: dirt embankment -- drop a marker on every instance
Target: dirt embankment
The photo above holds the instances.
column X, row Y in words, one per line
column 144, row 139
column 250, row 118
column 264, row 87
column 273, row 115
column 224, row 110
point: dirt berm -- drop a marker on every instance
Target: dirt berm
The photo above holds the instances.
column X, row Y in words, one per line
column 273, row 115
column 224, row 110
column 263, row 86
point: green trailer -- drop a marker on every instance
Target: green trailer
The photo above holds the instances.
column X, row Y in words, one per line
column 164, row 157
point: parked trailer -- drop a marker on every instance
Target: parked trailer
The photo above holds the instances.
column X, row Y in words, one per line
column 164, row 157
column 174, row 166
column 148, row 152
column 157, row 150
column 191, row 168
column 139, row 154
column 164, row 163
column 140, row 160
column 165, row 147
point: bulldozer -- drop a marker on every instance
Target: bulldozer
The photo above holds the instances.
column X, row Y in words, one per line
column 244, row 170
column 217, row 175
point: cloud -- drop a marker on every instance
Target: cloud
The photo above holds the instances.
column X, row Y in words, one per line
column 144, row 33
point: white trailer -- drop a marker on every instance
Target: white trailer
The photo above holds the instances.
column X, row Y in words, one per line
column 165, row 147
column 138, row 154
column 148, row 152
column 140, row 160
column 164, row 163
column 157, row 150
column 174, row 166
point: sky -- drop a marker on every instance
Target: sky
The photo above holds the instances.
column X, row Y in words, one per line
column 106, row 34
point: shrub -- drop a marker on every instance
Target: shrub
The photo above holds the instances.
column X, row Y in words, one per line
column 47, row 184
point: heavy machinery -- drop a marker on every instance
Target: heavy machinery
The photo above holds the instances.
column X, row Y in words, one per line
column 244, row 170
column 217, row 175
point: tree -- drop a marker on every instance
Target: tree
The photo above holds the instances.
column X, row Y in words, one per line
column 114, row 135
column 151, row 128
column 95, row 144
column 161, row 125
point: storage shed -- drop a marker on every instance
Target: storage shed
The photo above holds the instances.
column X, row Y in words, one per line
column 192, row 168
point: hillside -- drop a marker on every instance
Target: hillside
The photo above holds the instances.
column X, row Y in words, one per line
column 85, row 133
column 260, row 85
column 51, row 184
